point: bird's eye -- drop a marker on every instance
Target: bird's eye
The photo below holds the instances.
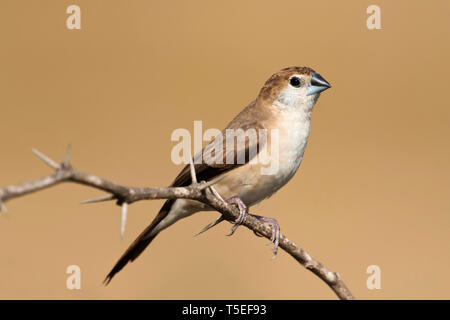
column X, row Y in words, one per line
column 295, row 82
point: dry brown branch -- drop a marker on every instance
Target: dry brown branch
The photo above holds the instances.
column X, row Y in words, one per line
column 199, row 191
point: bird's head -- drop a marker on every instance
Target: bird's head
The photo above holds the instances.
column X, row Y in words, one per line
column 293, row 87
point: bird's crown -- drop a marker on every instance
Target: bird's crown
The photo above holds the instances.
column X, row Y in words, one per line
column 278, row 81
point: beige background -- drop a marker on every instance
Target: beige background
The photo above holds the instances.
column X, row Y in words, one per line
column 373, row 187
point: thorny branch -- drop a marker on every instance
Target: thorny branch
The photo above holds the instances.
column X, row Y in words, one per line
column 199, row 191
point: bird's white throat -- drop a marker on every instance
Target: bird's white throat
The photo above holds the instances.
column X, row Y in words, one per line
column 296, row 102
column 294, row 110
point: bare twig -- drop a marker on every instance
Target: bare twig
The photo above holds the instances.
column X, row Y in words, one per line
column 202, row 192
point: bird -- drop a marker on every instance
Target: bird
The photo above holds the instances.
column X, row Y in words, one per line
column 284, row 106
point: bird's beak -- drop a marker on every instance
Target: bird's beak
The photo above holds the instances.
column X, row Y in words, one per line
column 318, row 84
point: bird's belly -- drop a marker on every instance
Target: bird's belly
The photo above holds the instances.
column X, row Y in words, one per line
column 250, row 182
column 252, row 186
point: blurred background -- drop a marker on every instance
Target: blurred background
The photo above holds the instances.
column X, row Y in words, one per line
column 373, row 188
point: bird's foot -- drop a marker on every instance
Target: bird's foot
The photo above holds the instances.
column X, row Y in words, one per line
column 243, row 211
column 275, row 231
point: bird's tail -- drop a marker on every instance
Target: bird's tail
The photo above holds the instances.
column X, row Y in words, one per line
column 141, row 242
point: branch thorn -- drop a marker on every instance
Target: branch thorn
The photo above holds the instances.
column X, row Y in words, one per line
column 46, row 159
column 209, row 226
column 216, row 194
column 193, row 175
column 99, row 199
column 66, row 162
column 211, row 182
column 3, row 208
column 123, row 219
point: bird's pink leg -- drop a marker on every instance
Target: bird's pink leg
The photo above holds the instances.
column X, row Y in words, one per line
column 243, row 211
column 275, row 231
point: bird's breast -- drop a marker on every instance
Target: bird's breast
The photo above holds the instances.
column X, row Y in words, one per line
column 253, row 184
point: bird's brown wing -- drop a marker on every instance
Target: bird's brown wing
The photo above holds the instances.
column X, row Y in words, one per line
column 204, row 172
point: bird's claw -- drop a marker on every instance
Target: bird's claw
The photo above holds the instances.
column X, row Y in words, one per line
column 275, row 239
column 243, row 211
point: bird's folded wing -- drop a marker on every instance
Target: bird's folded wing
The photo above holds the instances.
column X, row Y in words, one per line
column 226, row 152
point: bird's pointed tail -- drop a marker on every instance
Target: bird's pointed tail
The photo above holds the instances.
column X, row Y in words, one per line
column 141, row 242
